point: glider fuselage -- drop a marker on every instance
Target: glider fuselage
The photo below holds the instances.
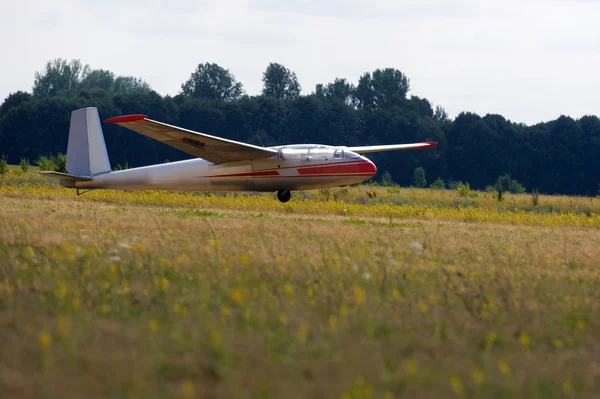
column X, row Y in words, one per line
column 295, row 167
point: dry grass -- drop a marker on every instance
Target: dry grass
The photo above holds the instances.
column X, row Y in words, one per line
column 169, row 295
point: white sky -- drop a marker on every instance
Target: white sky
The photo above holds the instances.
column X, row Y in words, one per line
column 529, row 60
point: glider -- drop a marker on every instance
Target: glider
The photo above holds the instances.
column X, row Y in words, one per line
column 219, row 164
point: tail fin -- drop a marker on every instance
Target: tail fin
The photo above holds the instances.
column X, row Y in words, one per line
column 86, row 151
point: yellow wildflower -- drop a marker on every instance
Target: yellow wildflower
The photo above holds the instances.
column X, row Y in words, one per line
column 188, row 390
column 503, row 367
column 477, row 375
column 359, row 295
column 45, row 340
column 456, row 385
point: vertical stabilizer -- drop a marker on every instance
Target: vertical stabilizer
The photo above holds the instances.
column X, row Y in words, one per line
column 86, row 151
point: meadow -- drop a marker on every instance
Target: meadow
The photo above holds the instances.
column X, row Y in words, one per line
column 357, row 292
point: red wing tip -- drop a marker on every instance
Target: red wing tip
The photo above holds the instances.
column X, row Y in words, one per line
column 126, row 118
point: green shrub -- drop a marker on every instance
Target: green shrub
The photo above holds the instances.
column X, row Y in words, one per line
column 464, row 190
column 3, row 165
column 535, row 198
column 438, row 184
column 24, row 164
column 57, row 163
column 506, row 184
column 516, row 187
column 46, row 163
column 500, row 194
column 419, row 177
column 386, row 179
column 61, row 163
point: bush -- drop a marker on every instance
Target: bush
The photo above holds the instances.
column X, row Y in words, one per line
column 438, row 184
column 61, row 163
column 24, row 164
column 516, row 187
column 535, row 198
column 46, row 163
column 56, row 164
column 506, row 184
column 419, row 176
column 3, row 165
column 500, row 194
column 464, row 190
column 386, row 179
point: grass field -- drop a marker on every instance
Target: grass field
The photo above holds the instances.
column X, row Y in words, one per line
column 363, row 292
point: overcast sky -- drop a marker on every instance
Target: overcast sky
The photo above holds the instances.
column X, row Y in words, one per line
column 529, row 60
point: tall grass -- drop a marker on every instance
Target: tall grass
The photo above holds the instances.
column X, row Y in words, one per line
column 134, row 297
column 363, row 201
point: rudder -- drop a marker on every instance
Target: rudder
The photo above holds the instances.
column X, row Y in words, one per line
column 86, row 151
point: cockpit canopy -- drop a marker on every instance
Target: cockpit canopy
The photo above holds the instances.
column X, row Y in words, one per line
column 314, row 152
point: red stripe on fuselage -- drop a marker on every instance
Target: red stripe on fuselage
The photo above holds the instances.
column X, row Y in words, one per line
column 249, row 174
column 316, row 175
column 355, row 168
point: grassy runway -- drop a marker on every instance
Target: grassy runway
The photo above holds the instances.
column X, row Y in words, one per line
column 349, row 293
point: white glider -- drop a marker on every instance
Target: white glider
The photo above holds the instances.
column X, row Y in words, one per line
column 220, row 164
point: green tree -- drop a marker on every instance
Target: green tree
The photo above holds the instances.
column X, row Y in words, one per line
column 419, row 177
column 98, row 79
column 340, row 89
column 440, row 115
column 59, row 77
column 383, row 89
column 212, row 82
column 13, row 101
column 129, row 84
column 280, row 83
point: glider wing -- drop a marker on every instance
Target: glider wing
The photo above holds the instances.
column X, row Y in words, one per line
column 201, row 145
column 392, row 147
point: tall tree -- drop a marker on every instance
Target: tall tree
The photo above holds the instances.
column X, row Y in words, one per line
column 212, row 82
column 340, row 89
column 383, row 89
column 440, row 115
column 98, row 79
column 13, row 100
column 280, row 83
column 129, row 84
column 59, row 77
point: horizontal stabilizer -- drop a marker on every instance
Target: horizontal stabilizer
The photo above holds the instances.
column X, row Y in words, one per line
column 64, row 176
column 392, row 147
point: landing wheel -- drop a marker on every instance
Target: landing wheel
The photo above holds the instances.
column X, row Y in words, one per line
column 284, row 195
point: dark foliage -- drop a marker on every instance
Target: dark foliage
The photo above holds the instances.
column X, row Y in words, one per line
column 560, row 156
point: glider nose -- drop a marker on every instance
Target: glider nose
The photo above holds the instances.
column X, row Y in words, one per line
column 371, row 168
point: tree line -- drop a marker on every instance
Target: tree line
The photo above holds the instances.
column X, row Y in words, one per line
column 559, row 156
